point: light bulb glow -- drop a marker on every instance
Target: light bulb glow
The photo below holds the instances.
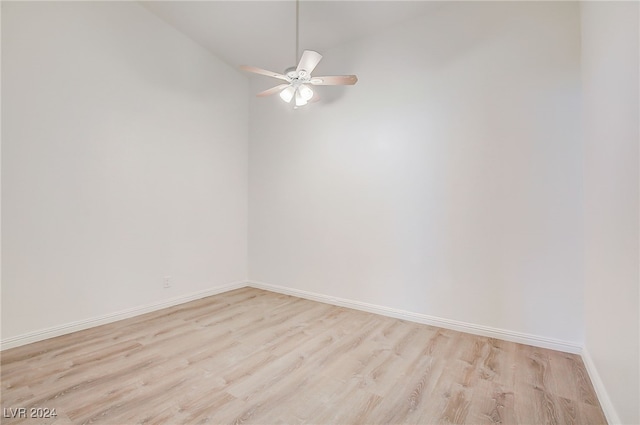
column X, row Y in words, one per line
column 287, row 94
column 305, row 92
column 300, row 100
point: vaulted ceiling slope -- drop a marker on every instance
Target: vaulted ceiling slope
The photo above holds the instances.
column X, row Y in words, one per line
column 262, row 33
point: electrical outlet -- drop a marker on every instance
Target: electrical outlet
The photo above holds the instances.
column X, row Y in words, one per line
column 167, row 282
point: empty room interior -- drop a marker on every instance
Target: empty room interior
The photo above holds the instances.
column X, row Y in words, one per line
column 327, row 212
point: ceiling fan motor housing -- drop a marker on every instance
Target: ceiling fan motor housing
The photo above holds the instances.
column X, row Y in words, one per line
column 294, row 75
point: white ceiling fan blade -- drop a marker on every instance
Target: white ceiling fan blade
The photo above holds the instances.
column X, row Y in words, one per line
column 272, row 90
column 308, row 61
column 263, row 72
column 334, row 80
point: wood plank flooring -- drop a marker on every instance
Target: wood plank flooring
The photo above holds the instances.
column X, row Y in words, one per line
column 252, row 356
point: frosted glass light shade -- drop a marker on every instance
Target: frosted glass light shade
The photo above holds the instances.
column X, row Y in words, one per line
column 287, row 94
column 305, row 92
column 300, row 100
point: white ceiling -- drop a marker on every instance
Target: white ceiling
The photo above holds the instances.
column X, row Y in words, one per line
column 262, row 33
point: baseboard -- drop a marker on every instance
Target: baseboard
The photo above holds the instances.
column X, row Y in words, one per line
column 522, row 338
column 54, row 331
column 534, row 340
column 601, row 392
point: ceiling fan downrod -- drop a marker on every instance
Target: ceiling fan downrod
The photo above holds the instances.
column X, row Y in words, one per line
column 295, row 58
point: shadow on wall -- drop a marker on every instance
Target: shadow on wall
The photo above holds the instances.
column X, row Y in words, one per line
column 329, row 95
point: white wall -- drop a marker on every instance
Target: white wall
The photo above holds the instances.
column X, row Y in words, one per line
column 611, row 71
column 124, row 159
column 447, row 182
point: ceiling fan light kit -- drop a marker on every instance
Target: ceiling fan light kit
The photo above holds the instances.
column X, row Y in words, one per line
column 298, row 78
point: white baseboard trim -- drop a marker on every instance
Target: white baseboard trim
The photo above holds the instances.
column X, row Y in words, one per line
column 601, row 392
column 487, row 331
column 522, row 338
column 67, row 328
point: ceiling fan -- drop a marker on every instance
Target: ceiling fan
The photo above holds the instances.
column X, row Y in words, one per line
column 298, row 78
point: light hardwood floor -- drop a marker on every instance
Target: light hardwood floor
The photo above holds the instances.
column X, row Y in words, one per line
column 252, row 356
